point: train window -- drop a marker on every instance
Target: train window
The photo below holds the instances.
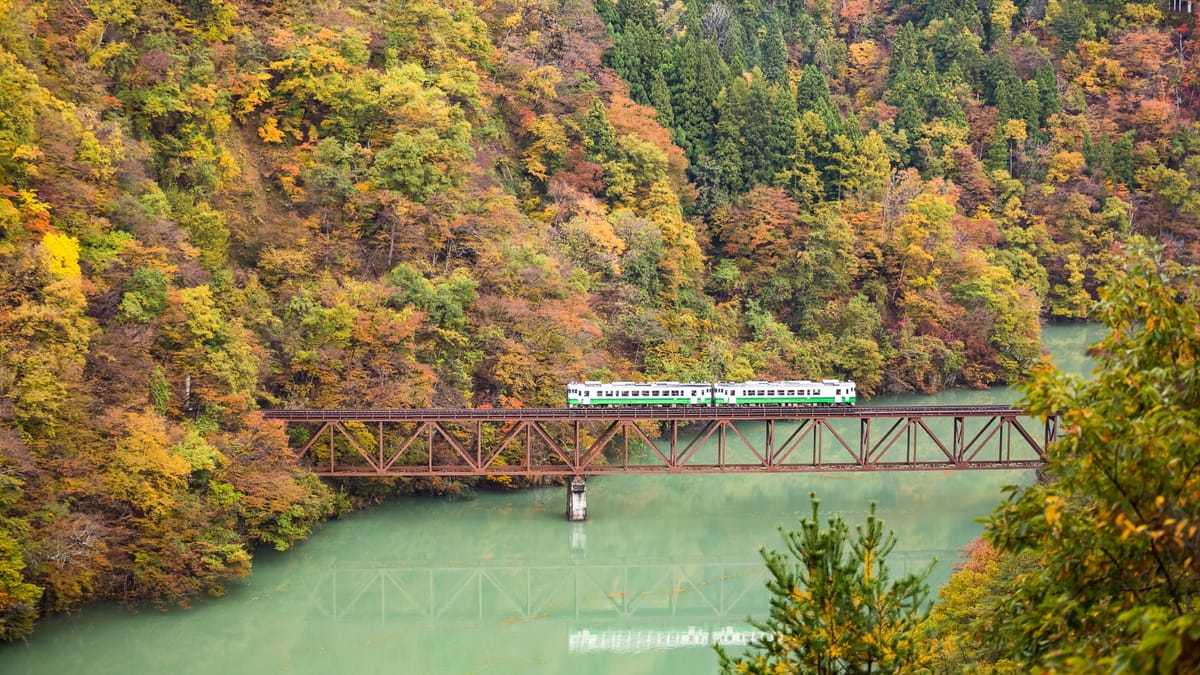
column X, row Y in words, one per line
column 791, row 392
column 839, row 392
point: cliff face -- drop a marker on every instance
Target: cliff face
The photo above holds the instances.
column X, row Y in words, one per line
column 211, row 207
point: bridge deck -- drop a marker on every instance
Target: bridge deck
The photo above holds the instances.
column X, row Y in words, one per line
column 639, row 413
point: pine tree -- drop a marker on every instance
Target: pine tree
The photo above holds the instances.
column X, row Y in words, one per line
column 813, row 94
column 834, row 608
column 599, row 137
column 729, row 143
column 781, row 136
column 1047, row 84
column 774, row 55
column 695, row 75
column 636, row 55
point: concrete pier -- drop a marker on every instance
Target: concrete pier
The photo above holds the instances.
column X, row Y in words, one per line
column 577, row 500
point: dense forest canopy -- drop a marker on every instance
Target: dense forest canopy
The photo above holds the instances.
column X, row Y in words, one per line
column 214, row 206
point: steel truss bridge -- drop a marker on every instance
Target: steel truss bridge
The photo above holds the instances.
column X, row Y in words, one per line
column 581, row 442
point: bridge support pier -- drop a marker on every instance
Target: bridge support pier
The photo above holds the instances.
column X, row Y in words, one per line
column 577, row 500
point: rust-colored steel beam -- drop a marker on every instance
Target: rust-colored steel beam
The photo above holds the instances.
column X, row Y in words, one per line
column 580, row 442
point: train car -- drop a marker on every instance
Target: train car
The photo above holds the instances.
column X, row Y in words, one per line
column 638, row 393
column 790, row 392
column 786, row 392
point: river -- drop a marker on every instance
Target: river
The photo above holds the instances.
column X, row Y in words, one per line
column 502, row 584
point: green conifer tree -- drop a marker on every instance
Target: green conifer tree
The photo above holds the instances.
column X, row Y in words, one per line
column 599, row 137
column 834, row 607
column 695, row 74
column 774, row 54
column 813, row 94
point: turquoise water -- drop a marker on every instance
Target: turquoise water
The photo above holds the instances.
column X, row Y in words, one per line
column 664, row 566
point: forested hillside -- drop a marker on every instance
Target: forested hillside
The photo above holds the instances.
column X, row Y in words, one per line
column 215, row 206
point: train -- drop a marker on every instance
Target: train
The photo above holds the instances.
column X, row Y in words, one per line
column 592, row 394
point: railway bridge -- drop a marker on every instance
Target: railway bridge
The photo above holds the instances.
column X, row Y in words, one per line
column 573, row 443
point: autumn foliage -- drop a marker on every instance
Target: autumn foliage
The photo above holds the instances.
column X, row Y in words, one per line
column 215, row 207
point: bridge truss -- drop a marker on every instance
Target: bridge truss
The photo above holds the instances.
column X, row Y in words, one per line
column 581, row 442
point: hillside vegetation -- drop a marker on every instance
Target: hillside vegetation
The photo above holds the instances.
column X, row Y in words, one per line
column 208, row 207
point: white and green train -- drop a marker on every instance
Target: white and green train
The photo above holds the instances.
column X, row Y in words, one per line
column 789, row 392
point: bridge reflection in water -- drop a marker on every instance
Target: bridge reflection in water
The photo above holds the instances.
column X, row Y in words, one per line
column 614, row 606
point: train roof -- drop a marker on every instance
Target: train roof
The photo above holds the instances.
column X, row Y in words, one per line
column 640, row 384
column 596, row 383
column 788, row 382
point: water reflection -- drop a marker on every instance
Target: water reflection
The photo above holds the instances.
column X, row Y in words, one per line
column 646, row 639
column 502, row 584
column 670, row 594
